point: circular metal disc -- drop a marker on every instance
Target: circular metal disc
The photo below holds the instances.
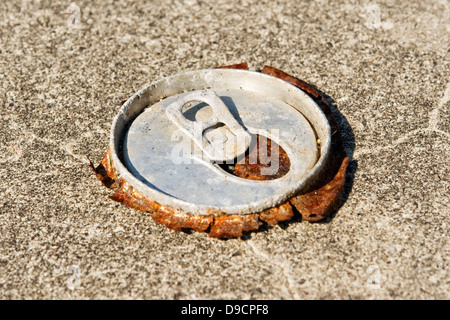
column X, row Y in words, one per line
column 160, row 155
column 164, row 164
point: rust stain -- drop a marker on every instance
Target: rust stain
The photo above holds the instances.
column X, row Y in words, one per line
column 320, row 203
column 242, row 66
column 274, row 215
column 124, row 192
column 105, row 172
column 260, row 158
column 314, row 205
column 233, row 226
column 178, row 220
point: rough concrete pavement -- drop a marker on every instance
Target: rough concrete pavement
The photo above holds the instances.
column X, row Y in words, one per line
column 65, row 69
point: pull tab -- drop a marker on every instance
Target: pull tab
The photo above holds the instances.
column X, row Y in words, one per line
column 221, row 138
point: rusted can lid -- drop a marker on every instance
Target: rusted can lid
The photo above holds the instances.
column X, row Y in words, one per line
column 174, row 139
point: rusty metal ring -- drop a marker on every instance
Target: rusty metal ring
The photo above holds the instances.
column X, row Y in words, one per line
column 315, row 203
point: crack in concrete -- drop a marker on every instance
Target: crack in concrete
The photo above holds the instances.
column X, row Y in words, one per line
column 281, row 265
column 432, row 127
column 67, row 148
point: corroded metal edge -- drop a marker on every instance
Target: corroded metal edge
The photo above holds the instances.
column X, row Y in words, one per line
column 321, row 200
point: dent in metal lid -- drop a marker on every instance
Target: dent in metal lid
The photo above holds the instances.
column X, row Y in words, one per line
column 169, row 139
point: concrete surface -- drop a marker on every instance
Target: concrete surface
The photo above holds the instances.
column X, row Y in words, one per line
column 385, row 64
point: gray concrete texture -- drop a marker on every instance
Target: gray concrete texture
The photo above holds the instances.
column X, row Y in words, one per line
column 64, row 70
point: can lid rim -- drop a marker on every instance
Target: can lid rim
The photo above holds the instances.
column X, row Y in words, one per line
column 136, row 103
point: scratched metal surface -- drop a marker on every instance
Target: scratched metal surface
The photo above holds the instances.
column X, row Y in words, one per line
column 384, row 66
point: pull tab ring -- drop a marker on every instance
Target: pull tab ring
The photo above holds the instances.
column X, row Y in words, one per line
column 221, row 138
